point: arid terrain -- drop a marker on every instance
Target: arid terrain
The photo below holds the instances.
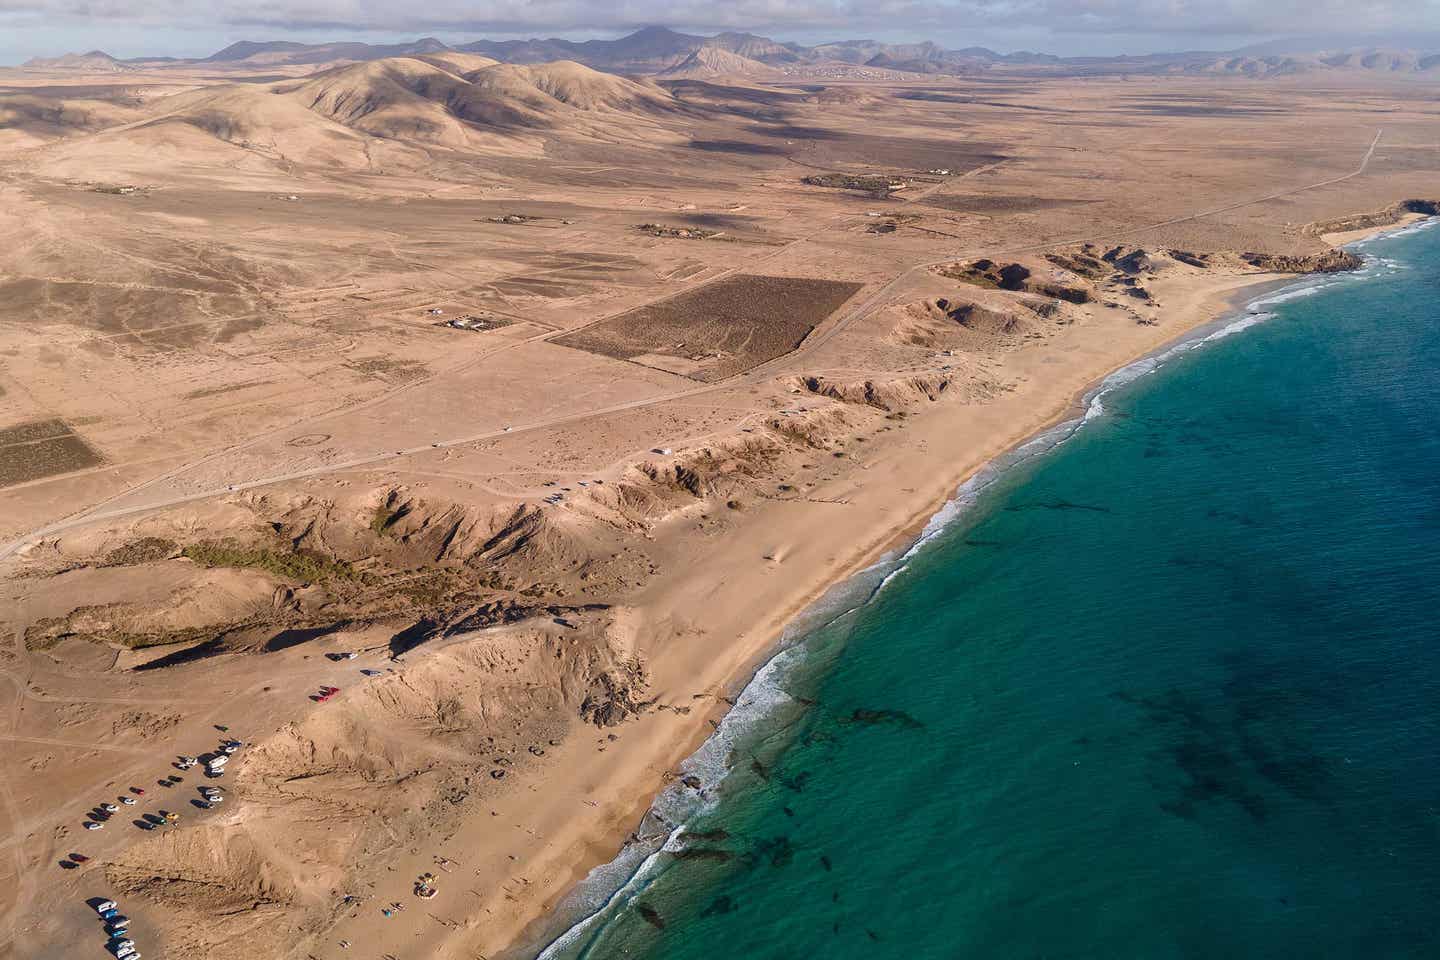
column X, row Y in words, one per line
column 551, row 395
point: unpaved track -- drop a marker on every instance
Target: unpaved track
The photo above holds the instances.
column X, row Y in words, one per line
column 867, row 307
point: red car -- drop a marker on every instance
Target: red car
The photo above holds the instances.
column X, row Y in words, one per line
column 325, row 694
column 138, row 791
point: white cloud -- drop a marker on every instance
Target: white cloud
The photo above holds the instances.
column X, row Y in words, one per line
column 518, row 16
column 1064, row 26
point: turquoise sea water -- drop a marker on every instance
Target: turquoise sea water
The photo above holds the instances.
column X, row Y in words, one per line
column 1168, row 690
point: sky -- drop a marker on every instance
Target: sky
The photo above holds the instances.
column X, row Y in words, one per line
column 191, row 28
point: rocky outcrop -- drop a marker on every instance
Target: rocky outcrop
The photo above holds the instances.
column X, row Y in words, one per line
column 1332, row 261
column 1017, row 278
column 972, row 316
column 1201, row 260
column 1013, row 277
column 615, row 696
column 1082, row 264
column 888, row 395
column 715, row 469
column 988, row 273
column 1060, row 291
column 1379, row 218
column 1131, row 262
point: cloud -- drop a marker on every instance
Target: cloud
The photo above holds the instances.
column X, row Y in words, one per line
column 1292, row 17
column 1062, row 25
column 520, row 16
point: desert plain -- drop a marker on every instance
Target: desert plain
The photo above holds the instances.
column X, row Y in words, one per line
column 552, row 396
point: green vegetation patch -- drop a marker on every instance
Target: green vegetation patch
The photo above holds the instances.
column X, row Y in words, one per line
column 432, row 589
column 141, row 641
column 291, row 564
column 144, row 550
column 869, row 182
column 385, row 516
column 45, row 634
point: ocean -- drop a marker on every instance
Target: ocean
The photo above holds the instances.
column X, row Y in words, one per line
column 1163, row 684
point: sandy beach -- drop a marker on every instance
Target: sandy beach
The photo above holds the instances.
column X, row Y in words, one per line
column 721, row 610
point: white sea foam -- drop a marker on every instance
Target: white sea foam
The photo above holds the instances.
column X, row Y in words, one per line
column 630, row 876
column 1096, row 407
column 1307, row 289
column 663, row 827
column 1429, row 223
column 1408, row 230
column 759, row 700
column 1244, row 323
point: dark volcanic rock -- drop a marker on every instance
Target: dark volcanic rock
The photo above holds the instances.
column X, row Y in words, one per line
column 1013, row 277
column 614, row 697
column 1192, row 259
column 1332, row 261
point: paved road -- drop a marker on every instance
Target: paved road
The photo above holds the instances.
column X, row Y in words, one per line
column 867, row 307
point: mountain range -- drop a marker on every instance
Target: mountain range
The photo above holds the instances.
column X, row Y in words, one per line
column 659, row 50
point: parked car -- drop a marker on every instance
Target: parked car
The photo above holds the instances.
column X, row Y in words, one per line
column 92, row 825
column 104, row 905
column 128, row 801
column 109, row 808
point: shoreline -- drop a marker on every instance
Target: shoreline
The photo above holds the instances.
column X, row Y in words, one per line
column 533, row 930
column 545, row 934
column 848, row 594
